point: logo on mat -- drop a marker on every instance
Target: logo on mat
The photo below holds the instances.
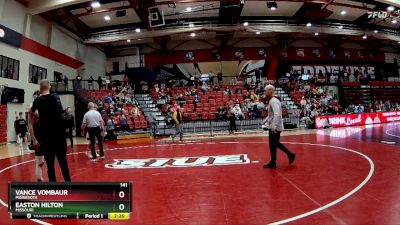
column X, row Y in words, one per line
column 218, row 160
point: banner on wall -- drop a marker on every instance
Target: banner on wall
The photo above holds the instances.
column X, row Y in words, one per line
column 315, row 69
column 357, row 119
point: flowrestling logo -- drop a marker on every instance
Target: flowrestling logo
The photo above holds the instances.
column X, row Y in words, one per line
column 383, row 14
column 218, row 160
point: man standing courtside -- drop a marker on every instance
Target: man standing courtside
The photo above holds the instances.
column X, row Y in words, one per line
column 52, row 130
column 274, row 123
column 94, row 125
column 178, row 119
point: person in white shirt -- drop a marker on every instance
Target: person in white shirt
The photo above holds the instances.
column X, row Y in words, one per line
column 93, row 123
column 274, row 122
column 238, row 112
column 303, row 102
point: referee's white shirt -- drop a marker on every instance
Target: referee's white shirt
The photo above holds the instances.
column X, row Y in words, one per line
column 92, row 118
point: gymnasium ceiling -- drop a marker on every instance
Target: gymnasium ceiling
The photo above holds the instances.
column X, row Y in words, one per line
column 220, row 20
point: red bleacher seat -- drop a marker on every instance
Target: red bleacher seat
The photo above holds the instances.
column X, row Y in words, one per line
column 137, row 124
column 143, row 124
column 194, row 116
column 205, row 116
column 213, row 116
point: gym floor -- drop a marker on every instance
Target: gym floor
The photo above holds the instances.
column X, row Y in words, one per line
column 341, row 176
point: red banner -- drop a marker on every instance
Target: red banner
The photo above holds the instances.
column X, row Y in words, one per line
column 357, row 119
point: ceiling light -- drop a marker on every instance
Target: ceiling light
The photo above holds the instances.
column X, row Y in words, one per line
column 107, row 18
column 343, row 12
column 258, row 32
column 272, row 5
column 375, row 31
column 394, row 21
column 129, row 40
column 316, row 34
column 364, row 37
column 193, row 35
column 191, row 25
column 137, row 30
column 390, row 8
column 340, row 27
column 245, row 24
column 139, row 39
column 95, row 4
column 188, row 9
column 309, row 24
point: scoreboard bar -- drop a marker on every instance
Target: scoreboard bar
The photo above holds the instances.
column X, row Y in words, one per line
column 78, row 200
column 91, row 216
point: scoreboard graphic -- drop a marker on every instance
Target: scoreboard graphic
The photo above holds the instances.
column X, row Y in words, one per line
column 78, row 200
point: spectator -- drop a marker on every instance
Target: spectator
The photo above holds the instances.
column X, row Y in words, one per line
column 303, row 102
column 237, row 111
column 66, row 82
column 253, row 96
column 197, row 99
column 232, row 121
column 238, row 90
column 360, row 109
column 70, row 124
column 21, row 129
column 110, row 128
column 90, row 82
column 126, row 80
column 221, row 113
column 178, row 119
column 219, row 78
column 204, row 88
column 124, row 123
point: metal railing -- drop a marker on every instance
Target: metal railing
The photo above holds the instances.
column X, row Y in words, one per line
column 211, row 127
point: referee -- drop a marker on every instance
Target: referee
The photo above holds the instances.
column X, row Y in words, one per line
column 274, row 123
column 94, row 125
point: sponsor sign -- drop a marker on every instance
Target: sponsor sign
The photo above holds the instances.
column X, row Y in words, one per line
column 357, row 119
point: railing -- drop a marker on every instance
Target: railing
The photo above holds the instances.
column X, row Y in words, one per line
column 74, row 85
column 211, row 127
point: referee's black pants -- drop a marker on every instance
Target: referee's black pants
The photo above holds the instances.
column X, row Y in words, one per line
column 95, row 133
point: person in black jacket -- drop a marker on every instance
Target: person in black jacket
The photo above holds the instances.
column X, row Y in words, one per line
column 21, row 129
column 52, row 130
column 69, row 124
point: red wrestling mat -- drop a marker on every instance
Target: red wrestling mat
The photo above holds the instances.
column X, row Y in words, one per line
column 333, row 181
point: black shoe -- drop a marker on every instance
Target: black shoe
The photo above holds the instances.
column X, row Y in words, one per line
column 291, row 157
column 270, row 166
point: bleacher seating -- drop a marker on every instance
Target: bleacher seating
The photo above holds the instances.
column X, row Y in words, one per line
column 134, row 122
column 210, row 101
